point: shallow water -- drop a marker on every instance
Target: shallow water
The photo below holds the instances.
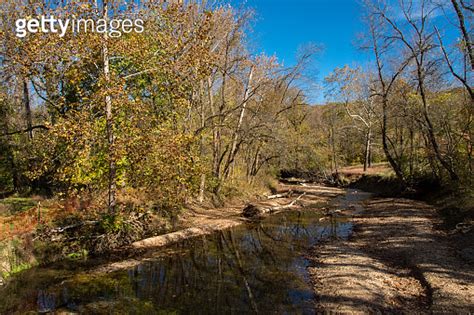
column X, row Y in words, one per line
column 257, row 268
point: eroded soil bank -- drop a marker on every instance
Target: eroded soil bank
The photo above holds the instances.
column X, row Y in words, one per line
column 395, row 261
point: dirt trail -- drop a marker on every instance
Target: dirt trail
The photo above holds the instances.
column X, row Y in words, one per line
column 396, row 261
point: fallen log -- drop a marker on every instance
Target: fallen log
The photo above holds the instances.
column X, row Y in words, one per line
column 293, row 180
column 282, row 195
column 181, row 235
column 252, row 210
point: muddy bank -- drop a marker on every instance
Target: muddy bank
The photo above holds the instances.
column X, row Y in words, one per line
column 395, row 261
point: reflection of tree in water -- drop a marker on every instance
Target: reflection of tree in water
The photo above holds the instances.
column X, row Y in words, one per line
column 240, row 270
column 46, row 302
column 235, row 270
column 255, row 269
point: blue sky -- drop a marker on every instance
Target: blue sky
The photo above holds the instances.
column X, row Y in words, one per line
column 282, row 26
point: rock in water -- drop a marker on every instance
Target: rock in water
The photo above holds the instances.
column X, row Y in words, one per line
column 251, row 211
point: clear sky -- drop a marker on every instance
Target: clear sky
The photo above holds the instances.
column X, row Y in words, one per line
column 282, row 26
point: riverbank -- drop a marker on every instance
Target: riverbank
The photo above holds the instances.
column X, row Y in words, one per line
column 394, row 261
column 198, row 220
column 254, row 266
column 397, row 260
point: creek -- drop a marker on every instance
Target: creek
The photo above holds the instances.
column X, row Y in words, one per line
column 252, row 268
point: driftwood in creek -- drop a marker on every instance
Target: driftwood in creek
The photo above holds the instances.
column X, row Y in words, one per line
column 281, row 195
column 255, row 211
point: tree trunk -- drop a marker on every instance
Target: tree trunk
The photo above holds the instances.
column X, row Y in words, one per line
column 112, row 184
column 396, row 168
column 27, row 106
column 216, row 136
column 367, row 149
column 233, row 150
column 385, row 89
column 202, row 185
column 332, row 141
column 10, row 157
column 430, row 128
column 411, row 162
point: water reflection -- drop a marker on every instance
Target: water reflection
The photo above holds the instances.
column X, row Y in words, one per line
column 249, row 269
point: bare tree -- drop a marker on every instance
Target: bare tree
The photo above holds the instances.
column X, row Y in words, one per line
column 463, row 28
column 379, row 47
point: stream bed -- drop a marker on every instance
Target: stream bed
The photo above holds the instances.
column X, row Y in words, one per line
column 252, row 268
